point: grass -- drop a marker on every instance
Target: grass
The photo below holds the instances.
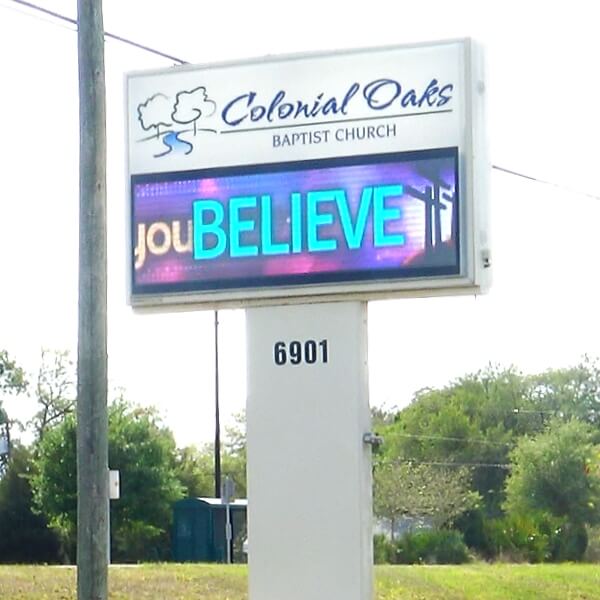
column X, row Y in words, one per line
column 489, row 582
column 219, row 582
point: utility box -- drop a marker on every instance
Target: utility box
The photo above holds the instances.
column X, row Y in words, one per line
column 199, row 530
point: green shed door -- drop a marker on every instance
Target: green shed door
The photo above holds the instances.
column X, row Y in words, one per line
column 183, row 543
column 194, row 535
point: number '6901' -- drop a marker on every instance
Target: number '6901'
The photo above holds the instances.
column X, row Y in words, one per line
column 296, row 353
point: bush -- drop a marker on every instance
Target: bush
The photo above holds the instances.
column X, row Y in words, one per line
column 24, row 535
column 592, row 553
column 431, row 547
column 471, row 525
column 570, row 543
column 533, row 538
column 383, row 550
column 519, row 539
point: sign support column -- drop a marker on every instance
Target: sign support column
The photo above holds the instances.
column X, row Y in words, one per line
column 309, row 470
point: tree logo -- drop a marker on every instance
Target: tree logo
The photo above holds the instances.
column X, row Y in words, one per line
column 167, row 118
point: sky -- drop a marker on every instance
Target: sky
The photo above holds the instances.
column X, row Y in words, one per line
column 541, row 311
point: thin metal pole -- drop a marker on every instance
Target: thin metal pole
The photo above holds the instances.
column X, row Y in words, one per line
column 92, row 419
column 217, row 416
column 228, row 532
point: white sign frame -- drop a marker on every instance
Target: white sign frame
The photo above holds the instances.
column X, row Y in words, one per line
column 467, row 134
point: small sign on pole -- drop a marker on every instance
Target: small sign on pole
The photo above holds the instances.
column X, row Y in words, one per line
column 227, row 490
column 227, row 495
column 114, row 485
column 114, row 493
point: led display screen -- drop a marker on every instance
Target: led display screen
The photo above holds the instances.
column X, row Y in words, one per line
column 362, row 218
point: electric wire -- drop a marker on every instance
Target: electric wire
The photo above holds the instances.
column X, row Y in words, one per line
column 545, row 182
column 107, row 34
column 433, row 463
column 423, row 436
column 65, row 19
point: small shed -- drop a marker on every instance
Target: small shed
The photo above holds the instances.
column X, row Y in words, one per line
column 199, row 526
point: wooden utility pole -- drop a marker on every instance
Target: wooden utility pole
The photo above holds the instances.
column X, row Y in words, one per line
column 92, row 413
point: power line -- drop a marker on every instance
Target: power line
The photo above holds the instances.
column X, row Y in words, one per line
column 450, row 439
column 545, row 182
column 112, row 36
column 139, row 46
column 478, row 465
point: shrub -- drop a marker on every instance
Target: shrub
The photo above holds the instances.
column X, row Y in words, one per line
column 431, row 547
column 383, row 550
column 570, row 542
column 471, row 525
column 530, row 538
column 592, row 553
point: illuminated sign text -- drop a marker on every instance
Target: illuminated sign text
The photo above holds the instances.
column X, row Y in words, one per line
column 376, row 217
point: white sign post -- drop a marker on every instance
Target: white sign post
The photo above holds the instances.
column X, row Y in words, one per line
column 309, row 477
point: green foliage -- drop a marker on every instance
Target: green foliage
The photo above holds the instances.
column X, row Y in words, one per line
column 195, row 467
column 195, row 471
column 571, row 543
column 431, row 547
column 471, row 525
column 572, row 392
column 471, row 421
column 404, row 489
column 383, row 550
column 54, row 392
column 144, row 453
column 24, row 535
column 12, row 377
column 479, row 418
column 520, row 538
column 13, row 382
column 534, row 538
column 233, row 458
column 558, row 472
column 592, row 552
column 54, row 483
column 381, row 417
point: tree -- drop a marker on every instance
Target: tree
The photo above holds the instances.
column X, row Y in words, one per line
column 12, row 381
column 54, row 483
column 477, row 420
column 570, row 392
column 24, row 535
column 144, row 453
column 234, row 459
column 557, row 472
column 382, row 417
column 194, row 469
column 418, row 490
column 469, row 422
column 54, row 391
column 12, row 377
column 195, row 466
